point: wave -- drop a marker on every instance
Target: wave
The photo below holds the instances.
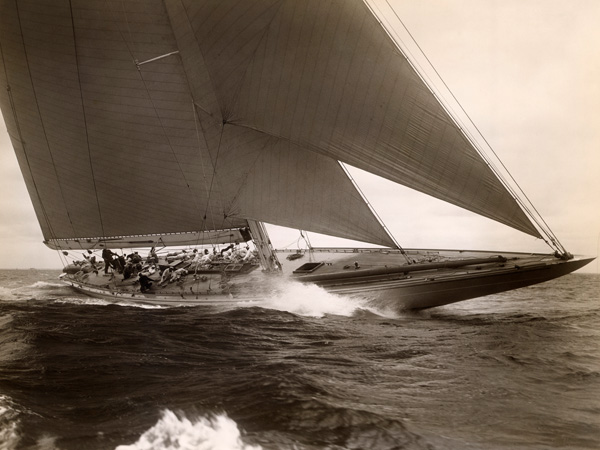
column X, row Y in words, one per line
column 45, row 285
column 175, row 431
column 7, row 294
column 100, row 302
column 9, row 424
column 310, row 300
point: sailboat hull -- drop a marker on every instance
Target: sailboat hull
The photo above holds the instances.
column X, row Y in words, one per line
column 382, row 277
column 433, row 291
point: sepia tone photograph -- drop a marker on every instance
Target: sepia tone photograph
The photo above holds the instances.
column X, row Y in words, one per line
column 299, row 224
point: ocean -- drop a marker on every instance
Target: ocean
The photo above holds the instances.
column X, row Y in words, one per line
column 302, row 370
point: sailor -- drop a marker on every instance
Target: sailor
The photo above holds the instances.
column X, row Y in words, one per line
column 176, row 276
column 90, row 258
column 229, row 247
column 152, row 256
column 135, row 257
column 174, row 256
column 127, row 271
column 207, row 257
column 107, row 256
column 196, row 260
column 145, row 282
column 238, row 253
column 165, row 276
column 118, row 263
column 247, row 255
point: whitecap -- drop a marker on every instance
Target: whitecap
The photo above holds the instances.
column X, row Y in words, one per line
column 173, row 431
column 7, row 293
column 45, row 285
column 9, row 424
column 100, row 302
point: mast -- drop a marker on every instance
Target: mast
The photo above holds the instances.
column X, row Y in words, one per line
column 266, row 254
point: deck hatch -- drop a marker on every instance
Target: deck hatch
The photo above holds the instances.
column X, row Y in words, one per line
column 308, row 267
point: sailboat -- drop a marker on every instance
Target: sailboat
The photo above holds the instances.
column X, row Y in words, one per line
column 190, row 124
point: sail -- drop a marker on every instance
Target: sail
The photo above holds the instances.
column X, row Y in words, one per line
column 326, row 76
column 178, row 116
column 106, row 150
column 115, row 137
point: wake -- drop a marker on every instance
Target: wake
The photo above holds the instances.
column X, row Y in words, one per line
column 313, row 301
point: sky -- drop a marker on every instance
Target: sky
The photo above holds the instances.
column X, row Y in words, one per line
column 528, row 74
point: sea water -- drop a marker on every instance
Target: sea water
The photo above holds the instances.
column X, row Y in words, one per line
column 302, row 369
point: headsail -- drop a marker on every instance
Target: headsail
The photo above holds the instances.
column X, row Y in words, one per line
column 244, row 116
column 325, row 75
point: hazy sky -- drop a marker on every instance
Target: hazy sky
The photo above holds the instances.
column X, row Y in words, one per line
column 528, row 74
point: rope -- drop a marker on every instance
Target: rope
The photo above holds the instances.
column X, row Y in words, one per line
column 385, row 228
column 528, row 207
column 162, row 125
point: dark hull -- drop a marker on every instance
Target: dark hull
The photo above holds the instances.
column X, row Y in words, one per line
column 435, row 291
column 434, row 278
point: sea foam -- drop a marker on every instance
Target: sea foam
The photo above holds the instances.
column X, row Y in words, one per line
column 46, row 285
column 310, row 300
column 9, row 436
column 173, row 431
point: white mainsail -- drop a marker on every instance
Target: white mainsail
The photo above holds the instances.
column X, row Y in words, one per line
column 176, row 116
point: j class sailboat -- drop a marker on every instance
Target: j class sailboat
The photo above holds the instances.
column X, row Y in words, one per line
column 191, row 123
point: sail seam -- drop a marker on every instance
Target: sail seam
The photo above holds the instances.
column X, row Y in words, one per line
column 204, row 177
column 396, row 243
column 150, row 98
column 214, row 174
column 22, row 141
column 251, row 60
column 247, row 172
column 527, row 206
column 84, row 115
column 212, row 84
column 321, row 152
column 208, row 188
column 450, row 114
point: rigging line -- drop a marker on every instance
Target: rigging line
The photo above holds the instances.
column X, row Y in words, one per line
column 317, row 150
column 309, row 147
column 177, row 7
column 126, row 23
column 208, row 189
column 428, row 82
column 148, row 91
column 204, row 178
column 238, row 89
column 470, row 138
column 251, row 168
column 87, row 137
column 385, row 228
column 448, row 108
column 348, row 38
column 187, row 16
column 306, row 239
column 537, row 217
column 19, row 132
column 214, row 173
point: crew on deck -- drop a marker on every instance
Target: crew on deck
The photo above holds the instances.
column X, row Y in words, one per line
column 172, row 267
